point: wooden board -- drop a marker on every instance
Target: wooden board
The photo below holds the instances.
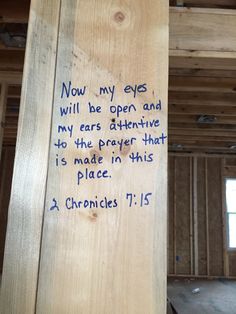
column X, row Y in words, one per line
column 103, row 246
column 97, row 259
column 195, row 29
column 21, row 260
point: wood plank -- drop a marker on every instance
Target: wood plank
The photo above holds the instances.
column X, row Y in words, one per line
column 192, row 138
column 202, row 84
column 224, row 218
column 171, row 190
column 175, row 214
column 214, row 155
column 193, row 29
column 21, row 261
column 11, row 77
column 202, row 60
column 201, row 132
column 198, row 150
column 211, row 143
column 193, row 119
column 202, row 110
column 100, row 260
column 197, row 126
column 202, row 72
column 192, row 98
column 207, row 219
column 201, row 205
column 195, row 215
column 191, row 235
column 224, row 4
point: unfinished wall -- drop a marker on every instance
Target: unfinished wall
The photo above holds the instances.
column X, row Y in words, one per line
column 197, row 234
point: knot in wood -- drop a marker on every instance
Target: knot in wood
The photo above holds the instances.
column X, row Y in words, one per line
column 119, row 17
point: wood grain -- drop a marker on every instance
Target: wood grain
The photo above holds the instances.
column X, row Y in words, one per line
column 200, row 30
column 20, row 270
column 97, row 260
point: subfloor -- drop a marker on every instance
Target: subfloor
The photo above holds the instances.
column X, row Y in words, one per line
column 189, row 296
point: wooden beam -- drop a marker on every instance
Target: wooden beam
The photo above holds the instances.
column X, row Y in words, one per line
column 203, row 148
column 202, row 110
column 22, row 250
column 95, row 246
column 202, row 84
column 203, row 154
column 197, row 126
column 191, row 216
column 182, row 139
column 224, row 216
column 195, row 215
column 202, row 73
column 230, row 4
column 193, row 98
column 11, row 78
column 207, row 217
column 175, row 216
column 173, row 118
column 205, row 60
column 202, row 277
column 201, row 132
column 87, row 251
column 193, row 30
column 203, row 143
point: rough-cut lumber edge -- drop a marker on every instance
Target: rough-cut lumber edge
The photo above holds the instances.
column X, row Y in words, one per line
column 20, row 270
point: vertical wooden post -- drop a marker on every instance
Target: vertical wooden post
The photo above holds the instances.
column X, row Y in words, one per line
column 195, row 215
column 191, row 213
column 103, row 236
column 174, row 218
column 207, row 218
column 21, row 260
column 224, row 221
column 3, row 100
